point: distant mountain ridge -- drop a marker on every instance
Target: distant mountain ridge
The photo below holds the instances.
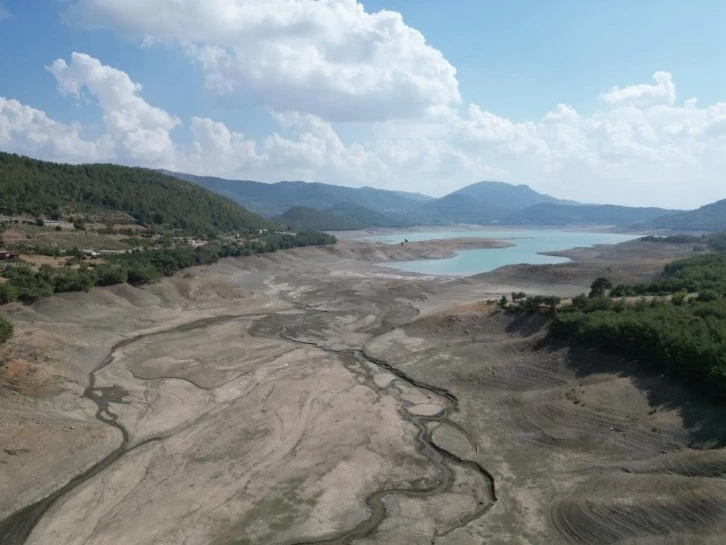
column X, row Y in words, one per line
column 343, row 217
column 585, row 214
column 508, row 196
column 306, row 218
column 481, row 203
column 275, row 199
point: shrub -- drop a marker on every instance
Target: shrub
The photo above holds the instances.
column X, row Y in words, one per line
column 6, row 329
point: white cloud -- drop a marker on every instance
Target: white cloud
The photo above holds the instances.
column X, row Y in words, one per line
column 630, row 152
column 217, row 150
column 314, row 64
column 26, row 130
column 141, row 131
column 664, row 90
column 329, row 58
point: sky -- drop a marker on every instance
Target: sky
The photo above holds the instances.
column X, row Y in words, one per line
column 621, row 102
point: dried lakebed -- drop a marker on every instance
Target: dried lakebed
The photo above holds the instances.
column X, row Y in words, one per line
column 312, row 398
column 439, row 456
column 15, row 530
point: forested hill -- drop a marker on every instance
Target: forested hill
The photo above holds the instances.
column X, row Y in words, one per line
column 309, row 219
column 40, row 188
column 711, row 217
column 275, row 199
column 587, row 214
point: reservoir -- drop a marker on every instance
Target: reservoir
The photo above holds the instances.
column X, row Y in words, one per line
column 529, row 243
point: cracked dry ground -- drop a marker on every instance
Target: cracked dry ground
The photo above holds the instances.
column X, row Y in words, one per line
column 309, row 397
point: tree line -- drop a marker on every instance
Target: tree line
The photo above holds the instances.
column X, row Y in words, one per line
column 680, row 330
column 684, row 338
column 677, row 326
column 715, row 241
column 697, row 274
column 25, row 284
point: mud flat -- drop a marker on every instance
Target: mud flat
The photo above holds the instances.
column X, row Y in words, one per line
column 311, row 397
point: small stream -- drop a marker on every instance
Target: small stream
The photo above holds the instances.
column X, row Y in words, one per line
column 439, row 457
column 16, row 529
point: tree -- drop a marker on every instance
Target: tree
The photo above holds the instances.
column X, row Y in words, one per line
column 599, row 287
column 6, row 329
column 706, row 296
column 502, row 302
column 552, row 302
column 679, row 298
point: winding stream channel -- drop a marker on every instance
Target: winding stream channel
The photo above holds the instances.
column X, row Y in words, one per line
column 16, row 529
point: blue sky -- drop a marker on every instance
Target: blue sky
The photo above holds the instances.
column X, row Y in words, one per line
column 584, row 100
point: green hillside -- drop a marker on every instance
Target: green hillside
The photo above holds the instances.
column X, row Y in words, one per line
column 585, row 214
column 51, row 190
column 275, row 199
column 711, row 217
column 366, row 217
column 341, row 217
column 309, row 219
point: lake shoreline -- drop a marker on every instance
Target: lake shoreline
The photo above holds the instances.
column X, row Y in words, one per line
column 523, row 247
column 363, row 234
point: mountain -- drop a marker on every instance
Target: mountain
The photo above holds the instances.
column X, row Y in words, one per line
column 584, row 214
column 40, row 188
column 342, row 217
column 487, row 202
column 479, row 203
column 275, row 199
column 507, row 196
column 711, row 217
column 502, row 203
column 451, row 209
column 367, row 217
column 304, row 218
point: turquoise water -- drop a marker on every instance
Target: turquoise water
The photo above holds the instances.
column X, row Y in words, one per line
column 528, row 243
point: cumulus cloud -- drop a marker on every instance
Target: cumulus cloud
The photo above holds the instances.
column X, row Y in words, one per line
column 330, row 58
column 26, row 130
column 663, row 90
column 629, row 152
column 141, row 131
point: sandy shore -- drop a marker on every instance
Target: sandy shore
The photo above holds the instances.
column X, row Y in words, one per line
column 312, row 397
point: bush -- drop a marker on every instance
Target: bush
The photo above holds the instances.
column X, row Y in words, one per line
column 706, row 296
column 6, row 329
column 142, row 274
column 110, row 275
column 679, row 298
